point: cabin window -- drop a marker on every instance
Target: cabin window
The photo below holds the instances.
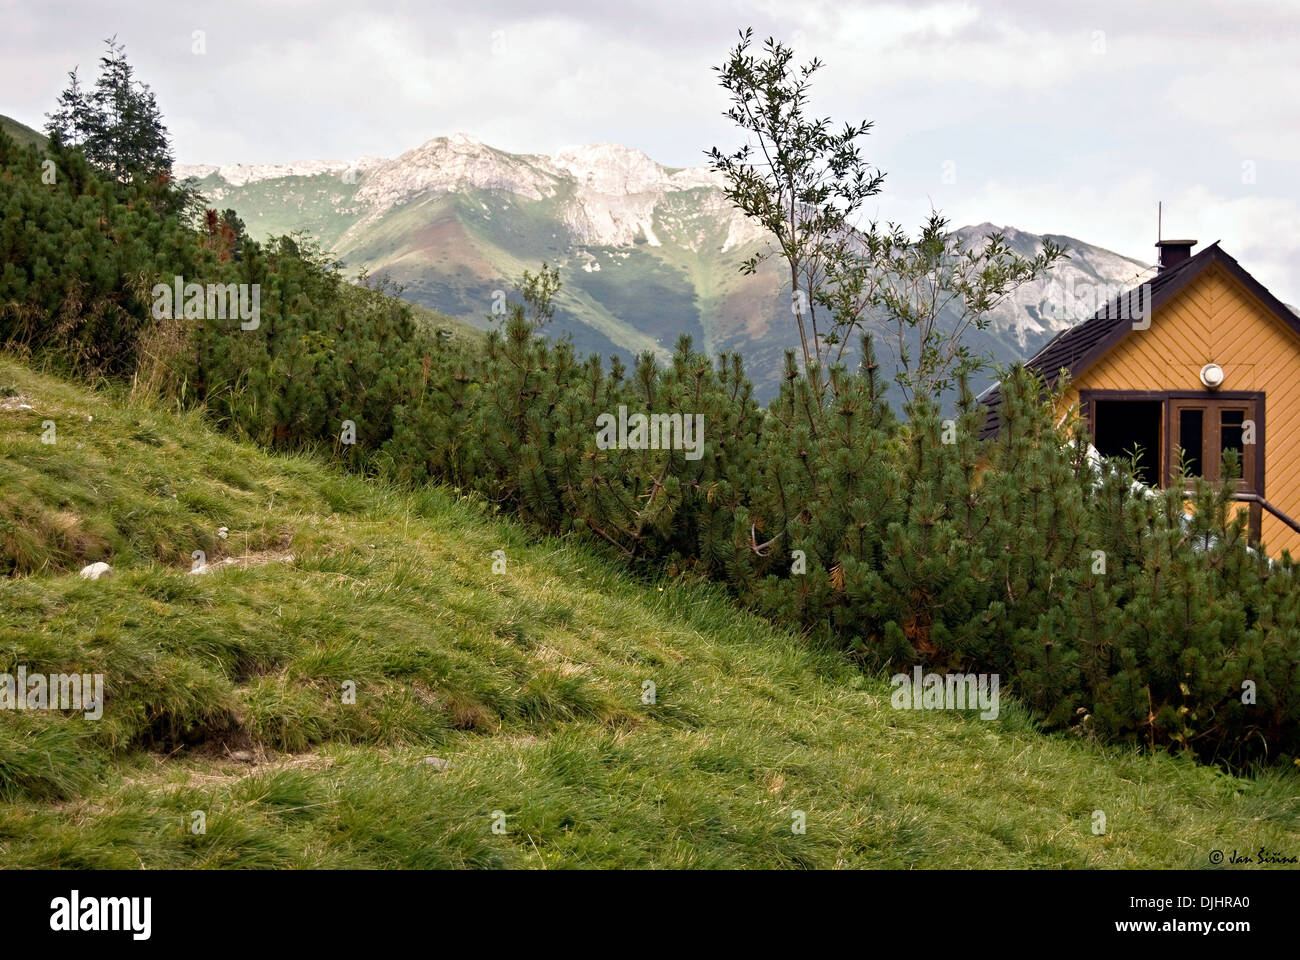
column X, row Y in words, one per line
column 1198, row 427
column 1156, row 430
column 1124, row 428
column 1205, row 429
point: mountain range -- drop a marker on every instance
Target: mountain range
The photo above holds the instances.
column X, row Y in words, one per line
column 646, row 252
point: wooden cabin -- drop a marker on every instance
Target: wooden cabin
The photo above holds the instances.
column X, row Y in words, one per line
column 1198, row 359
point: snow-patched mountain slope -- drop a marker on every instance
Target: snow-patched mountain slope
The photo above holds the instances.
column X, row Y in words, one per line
column 1037, row 311
column 607, row 194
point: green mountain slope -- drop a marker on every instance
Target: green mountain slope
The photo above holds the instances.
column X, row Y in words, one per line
column 24, row 134
column 226, row 693
column 320, row 206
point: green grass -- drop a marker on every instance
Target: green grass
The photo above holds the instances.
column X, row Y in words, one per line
column 22, row 133
column 529, row 683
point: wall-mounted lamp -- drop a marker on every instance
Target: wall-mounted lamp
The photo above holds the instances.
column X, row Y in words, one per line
column 1212, row 376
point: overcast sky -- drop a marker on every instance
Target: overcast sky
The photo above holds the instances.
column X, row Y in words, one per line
column 1052, row 117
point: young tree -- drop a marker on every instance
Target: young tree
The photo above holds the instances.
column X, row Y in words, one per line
column 926, row 293
column 538, row 291
column 797, row 177
column 805, row 184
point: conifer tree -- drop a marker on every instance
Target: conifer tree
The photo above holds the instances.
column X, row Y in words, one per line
column 75, row 121
column 118, row 124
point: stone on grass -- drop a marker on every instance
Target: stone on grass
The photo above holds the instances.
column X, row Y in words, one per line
column 95, row 570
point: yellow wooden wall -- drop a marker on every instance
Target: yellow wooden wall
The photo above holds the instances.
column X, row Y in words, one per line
column 1215, row 319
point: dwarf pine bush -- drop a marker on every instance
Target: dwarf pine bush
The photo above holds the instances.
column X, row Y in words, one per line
column 1108, row 608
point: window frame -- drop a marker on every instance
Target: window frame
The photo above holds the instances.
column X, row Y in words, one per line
column 1252, row 480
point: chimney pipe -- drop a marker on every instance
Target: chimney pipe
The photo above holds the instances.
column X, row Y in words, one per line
column 1174, row 252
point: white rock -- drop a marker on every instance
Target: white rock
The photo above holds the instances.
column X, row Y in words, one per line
column 238, row 174
column 95, row 570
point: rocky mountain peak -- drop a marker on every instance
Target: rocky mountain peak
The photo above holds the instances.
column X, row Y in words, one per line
column 612, row 169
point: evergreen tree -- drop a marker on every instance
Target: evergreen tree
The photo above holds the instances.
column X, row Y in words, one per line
column 75, row 121
column 799, row 178
column 118, row 125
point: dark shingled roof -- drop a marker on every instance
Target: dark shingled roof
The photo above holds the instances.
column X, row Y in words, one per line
column 1079, row 347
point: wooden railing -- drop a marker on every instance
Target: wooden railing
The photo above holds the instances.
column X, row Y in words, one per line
column 1256, row 498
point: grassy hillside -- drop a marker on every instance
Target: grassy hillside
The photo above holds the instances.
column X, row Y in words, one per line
column 225, row 693
column 320, row 206
column 24, row 134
